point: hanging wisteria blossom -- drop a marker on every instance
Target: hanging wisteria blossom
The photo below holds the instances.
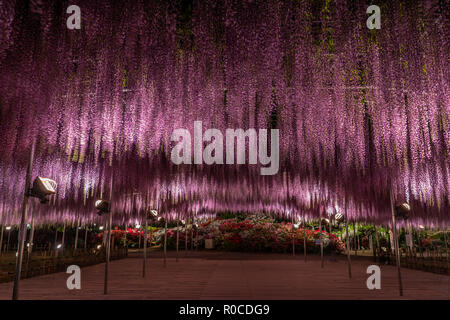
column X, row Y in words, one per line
column 360, row 112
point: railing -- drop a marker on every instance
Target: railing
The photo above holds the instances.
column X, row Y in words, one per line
column 45, row 262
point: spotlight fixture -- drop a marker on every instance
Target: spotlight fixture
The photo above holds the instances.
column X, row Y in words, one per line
column 102, row 206
column 159, row 218
column 8, row 228
column 99, row 246
column 402, row 211
column 58, row 246
column 421, row 227
column 101, row 228
column 42, row 187
column 153, row 212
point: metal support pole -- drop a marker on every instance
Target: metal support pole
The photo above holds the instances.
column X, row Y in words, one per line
column 378, row 242
column 446, row 247
column 62, row 241
column 9, row 237
column 151, row 236
column 397, row 252
column 196, row 237
column 76, row 234
column 108, row 242
column 321, row 242
column 165, row 240
column 192, row 232
column 139, row 244
column 293, row 237
column 145, row 246
column 85, row 236
column 349, row 262
column 178, row 235
column 1, row 240
column 125, row 244
column 30, row 246
column 304, row 236
column 22, row 230
column 2, row 231
column 185, row 236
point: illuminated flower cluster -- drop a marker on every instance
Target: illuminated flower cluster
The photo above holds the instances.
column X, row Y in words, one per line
column 360, row 112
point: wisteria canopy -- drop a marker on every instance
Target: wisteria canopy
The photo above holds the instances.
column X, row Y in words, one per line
column 361, row 113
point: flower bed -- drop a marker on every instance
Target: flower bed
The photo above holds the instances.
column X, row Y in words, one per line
column 255, row 233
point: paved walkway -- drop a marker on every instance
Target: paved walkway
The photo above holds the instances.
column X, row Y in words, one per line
column 213, row 275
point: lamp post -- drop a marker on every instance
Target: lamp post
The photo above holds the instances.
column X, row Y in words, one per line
column 22, row 229
column 397, row 252
column 153, row 214
column 106, row 207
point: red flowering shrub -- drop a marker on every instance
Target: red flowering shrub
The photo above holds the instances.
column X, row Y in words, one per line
column 253, row 234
